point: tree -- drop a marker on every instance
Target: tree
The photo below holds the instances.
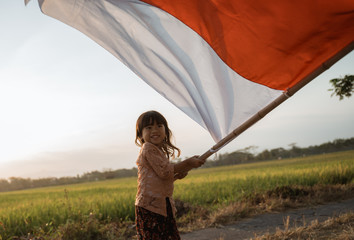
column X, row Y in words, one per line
column 342, row 87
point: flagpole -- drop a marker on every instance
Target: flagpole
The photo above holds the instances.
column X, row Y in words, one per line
column 290, row 92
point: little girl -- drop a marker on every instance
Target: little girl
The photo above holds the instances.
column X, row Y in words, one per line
column 154, row 206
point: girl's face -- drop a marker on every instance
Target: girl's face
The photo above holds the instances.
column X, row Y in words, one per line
column 154, row 133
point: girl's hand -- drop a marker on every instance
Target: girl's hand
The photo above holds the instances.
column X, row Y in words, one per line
column 195, row 162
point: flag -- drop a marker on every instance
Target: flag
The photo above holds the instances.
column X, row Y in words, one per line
column 219, row 61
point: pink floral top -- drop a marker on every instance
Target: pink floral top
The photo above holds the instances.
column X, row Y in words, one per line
column 155, row 180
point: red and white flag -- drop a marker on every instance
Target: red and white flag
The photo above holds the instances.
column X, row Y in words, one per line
column 219, row 61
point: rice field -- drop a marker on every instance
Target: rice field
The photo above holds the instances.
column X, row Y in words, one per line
column 46, row 208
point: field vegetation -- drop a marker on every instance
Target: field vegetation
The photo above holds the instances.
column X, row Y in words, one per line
column 105, row 209
column 334, row 228
column 246, row 155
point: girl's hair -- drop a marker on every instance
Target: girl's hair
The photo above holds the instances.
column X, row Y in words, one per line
column 148, row 118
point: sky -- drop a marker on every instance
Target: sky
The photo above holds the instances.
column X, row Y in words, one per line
column 67, row 106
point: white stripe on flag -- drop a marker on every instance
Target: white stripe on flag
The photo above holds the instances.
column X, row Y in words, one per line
column 170, row 57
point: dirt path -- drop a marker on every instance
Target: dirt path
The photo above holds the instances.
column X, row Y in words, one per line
column 247, row 228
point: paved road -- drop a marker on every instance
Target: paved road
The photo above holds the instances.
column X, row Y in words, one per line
column 262, row 224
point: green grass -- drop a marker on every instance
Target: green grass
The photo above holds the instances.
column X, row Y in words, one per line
column 22, row 211
column 45, row 209
column 232, row 183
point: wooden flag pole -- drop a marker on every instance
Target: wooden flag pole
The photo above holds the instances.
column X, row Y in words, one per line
column 290, row 92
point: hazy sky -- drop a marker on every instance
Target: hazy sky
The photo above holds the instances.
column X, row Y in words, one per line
column 68, row 107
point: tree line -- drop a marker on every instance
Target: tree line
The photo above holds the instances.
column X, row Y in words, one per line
column 18, row 183
column 246, row 155
column 237, row 157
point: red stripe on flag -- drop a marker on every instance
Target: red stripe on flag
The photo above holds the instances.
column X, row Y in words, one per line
column 273, row 43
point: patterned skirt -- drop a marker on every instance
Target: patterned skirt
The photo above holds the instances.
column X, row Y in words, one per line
column 153, row 226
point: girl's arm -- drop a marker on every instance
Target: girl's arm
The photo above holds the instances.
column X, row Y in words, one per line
column 180, row 175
